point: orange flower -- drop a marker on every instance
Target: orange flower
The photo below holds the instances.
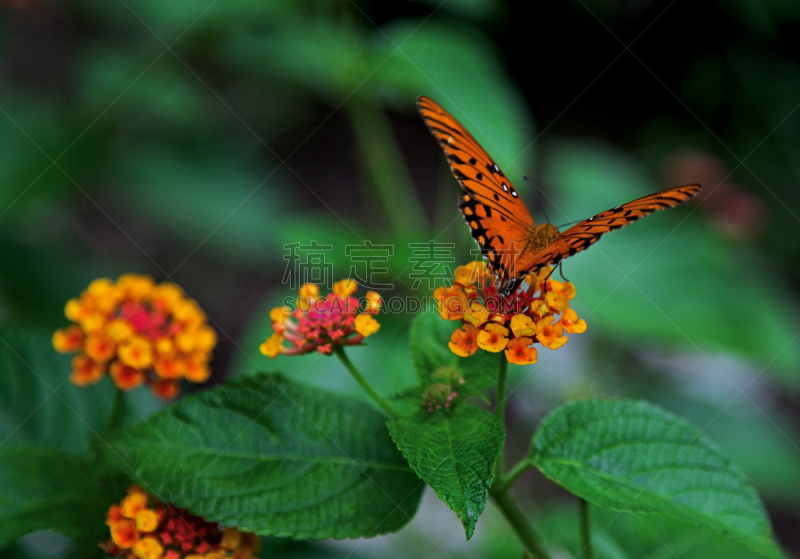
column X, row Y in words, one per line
column 165, row 388
column 85, row 371
column 451, row 302
column 493, row 338
column 160, row 531
column 549, row 334
column 513, row 323
column 124, row 533
column 464, row 341
column 570, row 322
column 69, row 339
column 125, row 377
column 137, row 332
column 518, row 351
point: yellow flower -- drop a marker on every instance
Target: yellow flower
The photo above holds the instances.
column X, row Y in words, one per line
column 559, row 295
column 474, row 272
column 493, row 338
column 345, row 288
column 476, row 313
column 280, row 314
column 366, row 325
column 273, row 346
column 374, row 302
column 137, row 353
column 308, row 294
column 148, row 548
column 520, row 351
column 146, row 520
column 522, row 325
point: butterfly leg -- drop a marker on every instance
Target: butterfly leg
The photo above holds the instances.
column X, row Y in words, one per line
column 553, row 269
column 561, row 272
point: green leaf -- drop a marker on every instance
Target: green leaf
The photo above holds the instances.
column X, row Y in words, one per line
column 454, row 454
column 39, row 405
column 618, row 535
column 46, row 489
column 633, row 456
column 277, row 458
column 429, row 352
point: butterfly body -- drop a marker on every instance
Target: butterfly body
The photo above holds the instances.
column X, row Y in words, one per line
column 499, row 221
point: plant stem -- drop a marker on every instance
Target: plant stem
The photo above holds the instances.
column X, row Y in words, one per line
column 586, row 540
column 385, row 168
column 507, row 480
column 377, row 398
column 520, row 524
column 500, row 412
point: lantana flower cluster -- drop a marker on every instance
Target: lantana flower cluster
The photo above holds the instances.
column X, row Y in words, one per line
column 512, row 324
column 142, row 527
column 137, row 332
column 320, row 323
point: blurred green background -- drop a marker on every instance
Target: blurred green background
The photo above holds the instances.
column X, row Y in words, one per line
column 193, row 140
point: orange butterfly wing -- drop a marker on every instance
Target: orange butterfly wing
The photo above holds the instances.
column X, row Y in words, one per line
column 588, row 231
column 498, row 218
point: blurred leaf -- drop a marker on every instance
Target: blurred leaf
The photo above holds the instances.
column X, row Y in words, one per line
column 618, row 535
column 328, row 59
column 475, row 9
column 163, row 96
column 275, row 457
column 212, row 201
column 454, row 454
column 633, row 456
column 39, row 406
column 667, row 278
column 36, row 131
column 759, row 440
column 461, row 70
column 46, row 489
column 194, row 17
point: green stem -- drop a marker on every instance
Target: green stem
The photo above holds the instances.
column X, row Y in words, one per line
column 586, row 539
column 507, row 480
column 520, row 524
column 385, row 167
column 377, row 398
column 500, row 412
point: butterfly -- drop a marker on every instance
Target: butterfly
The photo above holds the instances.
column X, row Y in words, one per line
column 513, row 245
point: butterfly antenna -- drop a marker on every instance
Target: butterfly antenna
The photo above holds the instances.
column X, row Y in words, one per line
column 568, row 223
column 539, row 200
